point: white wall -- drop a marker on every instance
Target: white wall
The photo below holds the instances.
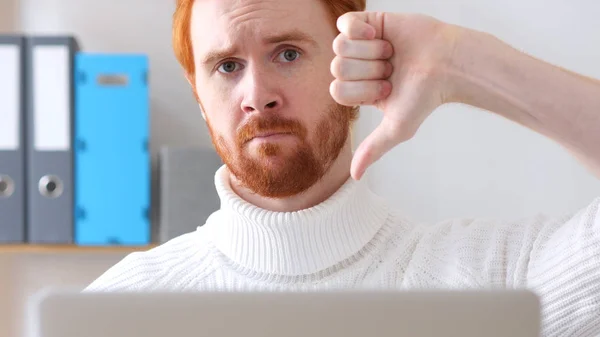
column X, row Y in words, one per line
column 463, row 162
column 129, row 26
column 466, row 162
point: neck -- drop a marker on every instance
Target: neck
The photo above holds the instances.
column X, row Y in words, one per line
column 334, row 178
column 292, row 246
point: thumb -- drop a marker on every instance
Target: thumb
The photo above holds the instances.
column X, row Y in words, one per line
column 361, row 25
column 380, row 141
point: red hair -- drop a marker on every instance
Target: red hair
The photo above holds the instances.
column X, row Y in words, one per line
column 182, row 43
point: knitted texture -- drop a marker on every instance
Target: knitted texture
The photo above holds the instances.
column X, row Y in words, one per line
column 353, row 240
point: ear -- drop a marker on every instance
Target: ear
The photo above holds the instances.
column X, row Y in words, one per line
column 191, row 81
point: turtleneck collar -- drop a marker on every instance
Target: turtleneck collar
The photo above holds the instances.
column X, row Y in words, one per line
column 294, row 243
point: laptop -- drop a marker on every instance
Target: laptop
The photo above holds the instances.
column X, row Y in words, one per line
column 60, row 313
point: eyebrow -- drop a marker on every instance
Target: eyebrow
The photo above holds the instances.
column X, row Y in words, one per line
column 212, row 56
column 291, row 36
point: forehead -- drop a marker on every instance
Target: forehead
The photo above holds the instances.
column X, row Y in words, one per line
column 218, row 22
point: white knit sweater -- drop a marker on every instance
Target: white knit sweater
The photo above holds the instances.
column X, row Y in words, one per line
column 354, row 240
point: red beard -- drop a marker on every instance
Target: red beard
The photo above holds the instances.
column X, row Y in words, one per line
column 295, row 172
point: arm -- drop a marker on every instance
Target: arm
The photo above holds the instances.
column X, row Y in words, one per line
column 436, row 63
column 564, row 106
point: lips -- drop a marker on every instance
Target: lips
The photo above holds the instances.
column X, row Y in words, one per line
column 267, row 134
column 269, row 127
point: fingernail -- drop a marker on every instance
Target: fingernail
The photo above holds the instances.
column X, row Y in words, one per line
column 389, row 69
column 369, row 32
column 388, row 50
column 385, row 88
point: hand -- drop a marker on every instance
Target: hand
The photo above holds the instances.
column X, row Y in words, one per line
column 396, row 62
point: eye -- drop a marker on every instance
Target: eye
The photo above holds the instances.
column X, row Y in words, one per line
column 229, row 67
column 289, row 55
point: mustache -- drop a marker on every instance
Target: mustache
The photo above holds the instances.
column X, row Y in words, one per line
column 269, row 124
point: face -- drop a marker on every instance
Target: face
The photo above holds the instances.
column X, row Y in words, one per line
column 262, row 80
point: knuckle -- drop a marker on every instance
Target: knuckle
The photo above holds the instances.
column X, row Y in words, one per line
column 343, row 46
column 340, row 93
column 339, row 45
column 335, row 89
column 336, row 67
column 342, row 19
column 340, row 68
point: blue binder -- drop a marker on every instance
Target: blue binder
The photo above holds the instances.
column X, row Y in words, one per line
column 112, row 161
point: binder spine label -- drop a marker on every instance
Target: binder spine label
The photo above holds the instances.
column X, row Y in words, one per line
column 10, row 90
column 52, row 98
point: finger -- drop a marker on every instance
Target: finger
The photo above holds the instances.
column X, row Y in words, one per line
column 346, row 69
column 355, row 26
column 362, row 49
column 352, row 93
column 382, row 140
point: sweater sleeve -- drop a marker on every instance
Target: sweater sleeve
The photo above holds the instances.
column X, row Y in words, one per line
column 132, row 273
column 564, row 269
column 559, row 259
column 177, row 264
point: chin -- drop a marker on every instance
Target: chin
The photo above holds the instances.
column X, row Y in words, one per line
column 271, row 162
column 273, row 151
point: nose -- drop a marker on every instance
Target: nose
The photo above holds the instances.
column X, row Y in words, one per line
column 261, row 95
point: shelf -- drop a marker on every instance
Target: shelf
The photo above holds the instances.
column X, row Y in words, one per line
column 68, row 249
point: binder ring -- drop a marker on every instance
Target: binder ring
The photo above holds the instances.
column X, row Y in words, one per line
column 50, row 186
column 7, row 186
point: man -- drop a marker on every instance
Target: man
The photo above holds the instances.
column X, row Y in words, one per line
column 278, row 81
